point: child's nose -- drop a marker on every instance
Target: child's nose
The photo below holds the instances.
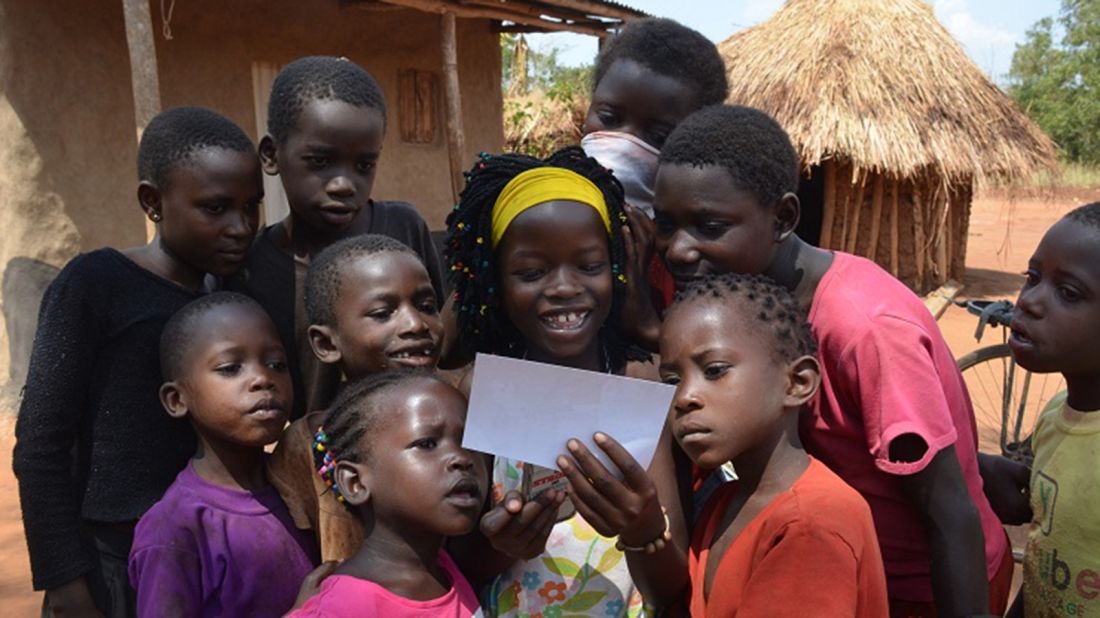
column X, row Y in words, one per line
column 1030, row 300
column 685, row 400
column 340, row 185
column 563, row 284
column 461, row 460
column 681, row 249
column 412, row 322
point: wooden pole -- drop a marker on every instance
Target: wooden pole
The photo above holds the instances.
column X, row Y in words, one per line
column 143, row 71
column 844, row 188
column 876, row 215
column 857, row 210
column 829, row 206
column 940, row 229
column 895, row 188
column 456, row 134
column 918, row 234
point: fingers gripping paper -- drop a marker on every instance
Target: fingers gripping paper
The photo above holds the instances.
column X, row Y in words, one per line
column 527, row 411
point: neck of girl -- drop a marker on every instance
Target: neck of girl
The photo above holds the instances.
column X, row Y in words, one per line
column 591, row 359
column 401, row 557
column 772, row 467
column 295, row 237
column 230, row 465
column 799, row 267
column 1083, row 392
column 159, row 260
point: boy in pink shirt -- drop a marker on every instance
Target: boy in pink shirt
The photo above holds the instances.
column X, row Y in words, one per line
column 893, row 418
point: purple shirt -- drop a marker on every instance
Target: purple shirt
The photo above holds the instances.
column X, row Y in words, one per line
column 207, row 550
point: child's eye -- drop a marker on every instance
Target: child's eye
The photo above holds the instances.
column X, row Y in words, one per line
column 316, row 162
column 1069, row 294
column 713, row 228
column 663, row 225
column 594, row 268
column 671, row 379
column 365, row 166
column 277, row 365
column 608, row 118
column 1031, row 278
column 228, row 369
column 529, row 274
column 214, row 209
column 429, row 308
column 426, row 443
column 380, row 314
column 714, row 371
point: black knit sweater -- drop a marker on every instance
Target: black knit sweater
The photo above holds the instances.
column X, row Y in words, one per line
column 93, row 442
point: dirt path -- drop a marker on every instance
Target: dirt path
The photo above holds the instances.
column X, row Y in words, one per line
column 1003, row 234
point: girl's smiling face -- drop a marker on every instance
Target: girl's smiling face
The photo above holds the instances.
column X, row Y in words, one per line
column 556, row 281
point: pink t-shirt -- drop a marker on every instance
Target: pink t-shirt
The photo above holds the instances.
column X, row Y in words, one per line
column 886, row 371
column 344, row 595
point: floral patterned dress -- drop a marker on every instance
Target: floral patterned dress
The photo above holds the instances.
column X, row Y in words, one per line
column 580, row 573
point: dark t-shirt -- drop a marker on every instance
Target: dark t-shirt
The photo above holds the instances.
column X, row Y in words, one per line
column 93, row 441
column 276, row 280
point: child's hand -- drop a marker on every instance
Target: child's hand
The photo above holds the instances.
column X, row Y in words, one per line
column 638, row 314
column 520, row 530
column 311, row 585
column 1006, row 484
column 72, row 599
column 629, row 509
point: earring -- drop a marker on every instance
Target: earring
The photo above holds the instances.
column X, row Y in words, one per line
column 155, row 217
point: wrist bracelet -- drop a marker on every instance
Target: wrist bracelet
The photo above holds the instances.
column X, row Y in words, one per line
column 653, row 546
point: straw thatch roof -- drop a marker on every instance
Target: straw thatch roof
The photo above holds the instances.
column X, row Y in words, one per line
column 882, row 83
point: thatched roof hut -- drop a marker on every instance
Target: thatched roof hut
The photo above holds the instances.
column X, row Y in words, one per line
column 894, row 125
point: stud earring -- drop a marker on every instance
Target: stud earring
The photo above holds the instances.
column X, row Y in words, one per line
column 155, row 217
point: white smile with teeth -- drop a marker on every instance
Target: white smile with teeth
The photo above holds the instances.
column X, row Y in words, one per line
column 412, row 353
column 570, row 320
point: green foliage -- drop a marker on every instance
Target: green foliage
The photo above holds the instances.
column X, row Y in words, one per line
column 1057, row 80
column 544, row 71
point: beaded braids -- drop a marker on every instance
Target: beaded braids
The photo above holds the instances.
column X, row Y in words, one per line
column 762, row 300
column 482, row 323
column 354, row 416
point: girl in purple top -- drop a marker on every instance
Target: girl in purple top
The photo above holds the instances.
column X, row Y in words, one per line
column 391, row 448
column 221, row 542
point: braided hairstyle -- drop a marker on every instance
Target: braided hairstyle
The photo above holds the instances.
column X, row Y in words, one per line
column 763, row 300
column 482, row 323
column 353, row 417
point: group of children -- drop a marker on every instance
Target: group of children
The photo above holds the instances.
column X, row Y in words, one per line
column 160, row 374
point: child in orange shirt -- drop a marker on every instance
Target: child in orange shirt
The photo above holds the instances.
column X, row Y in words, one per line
column 740, row 353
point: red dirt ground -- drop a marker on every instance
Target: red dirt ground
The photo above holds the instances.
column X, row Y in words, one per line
column 1003, row 233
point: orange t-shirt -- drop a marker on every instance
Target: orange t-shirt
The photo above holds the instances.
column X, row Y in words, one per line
column 812, row 551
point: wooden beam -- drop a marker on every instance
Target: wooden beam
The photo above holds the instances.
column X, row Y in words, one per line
column 600, row 10
column 829, row 205
column 456, row 134
column 853, row 236
column 144, row 80
column 919, row 246
column 478, row 12
column 876, row 215
column 895, row 188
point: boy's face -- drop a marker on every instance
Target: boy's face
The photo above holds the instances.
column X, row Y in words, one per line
column 706, row 225
column 555, row 276
column 386, row 314
column 731, row 391
column 1056, row 325
column 631, row 98
column 327, row 163
column 419, row 475
column 209, row 209
column 236, row 388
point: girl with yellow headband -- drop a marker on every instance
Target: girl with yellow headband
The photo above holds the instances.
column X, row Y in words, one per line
column 537, row 260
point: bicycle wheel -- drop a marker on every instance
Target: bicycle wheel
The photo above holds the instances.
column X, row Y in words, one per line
column 1006, row 398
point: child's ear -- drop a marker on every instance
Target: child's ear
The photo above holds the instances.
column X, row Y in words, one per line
column 323, row 342
column 787, row 214
column 173, row 399
column 803, row 378
column 269, row 155
column 150, row 200
column 353, row 480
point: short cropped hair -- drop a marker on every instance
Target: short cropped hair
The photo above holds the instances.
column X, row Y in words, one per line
column 176, row 135
column 761, row 300
column 319, row 78
column 179, row 334
column 669, row 48
column 1089, row 214
column 749, row 143
column 323, row 279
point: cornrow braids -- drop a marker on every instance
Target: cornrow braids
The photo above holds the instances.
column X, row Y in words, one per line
column 344, row 434
column 765, row 301
column 323, row 279
column 1089, row 214
column 482, row 323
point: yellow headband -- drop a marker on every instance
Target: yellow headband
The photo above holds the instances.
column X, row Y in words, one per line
column 541, row 185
